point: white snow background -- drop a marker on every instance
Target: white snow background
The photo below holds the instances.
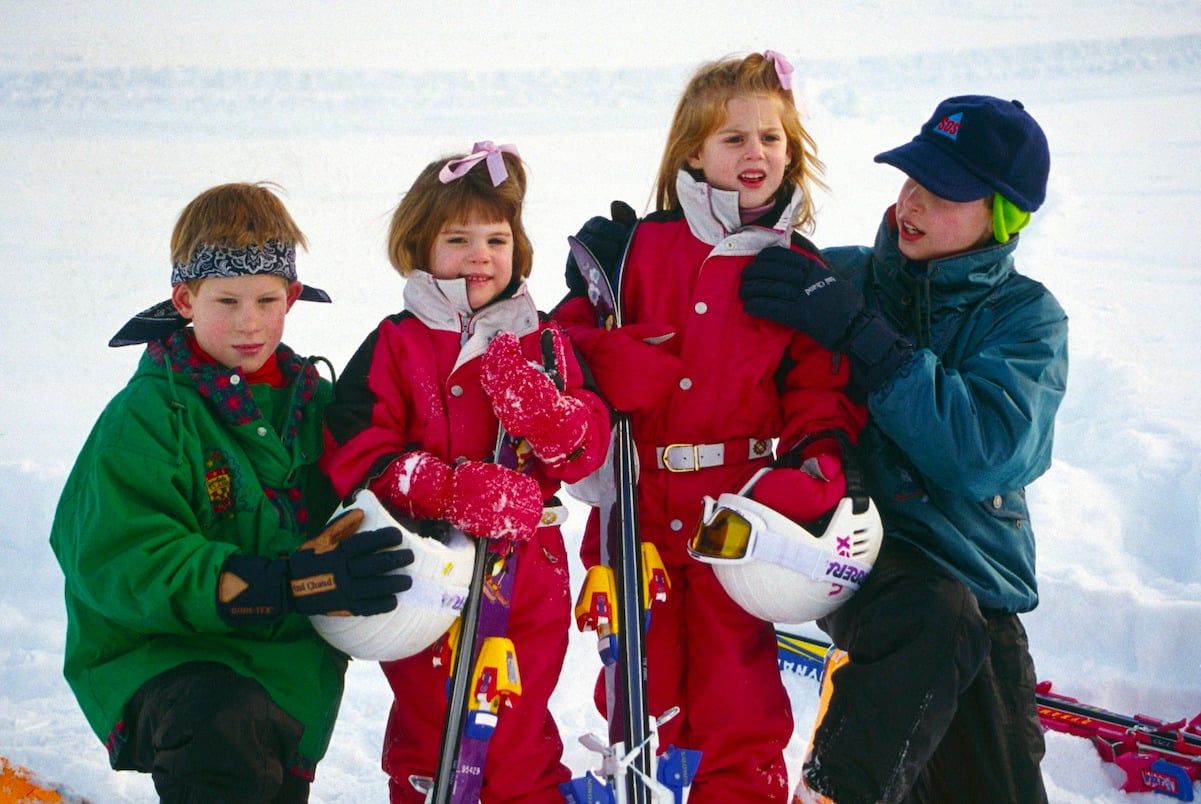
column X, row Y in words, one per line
column 114, row 115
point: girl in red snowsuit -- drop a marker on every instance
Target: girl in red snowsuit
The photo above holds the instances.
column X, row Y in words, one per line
column 709, row 387
column 415, row 417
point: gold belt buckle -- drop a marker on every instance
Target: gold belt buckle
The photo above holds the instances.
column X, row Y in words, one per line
column 696, row 457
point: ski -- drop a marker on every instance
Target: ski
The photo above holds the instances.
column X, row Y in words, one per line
column 485, row 678
column 484, row 675
column 802, row 655
column 613, row 602
column 1156, row 756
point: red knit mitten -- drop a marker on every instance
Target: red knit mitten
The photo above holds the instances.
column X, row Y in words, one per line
column 417, row 485
column 527, row 402
column 481, row 499
column 497, row 503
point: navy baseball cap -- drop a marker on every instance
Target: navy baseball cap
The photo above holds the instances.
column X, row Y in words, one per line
column 977, row 145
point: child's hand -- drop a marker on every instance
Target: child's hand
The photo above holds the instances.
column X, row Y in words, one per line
column 634, row 370
column 494, row 502
column 803, row 495
column 340, row 572
column 351, row 577
column 607, row 240
column 796, row 290
column 527, row 402
column 481, row 499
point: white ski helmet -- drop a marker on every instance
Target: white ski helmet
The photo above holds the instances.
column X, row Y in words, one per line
column 441, row 574
column 778, row 570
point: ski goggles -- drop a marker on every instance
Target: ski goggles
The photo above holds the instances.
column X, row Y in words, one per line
column 723, row 533
column 735, row 529
column 733, row 525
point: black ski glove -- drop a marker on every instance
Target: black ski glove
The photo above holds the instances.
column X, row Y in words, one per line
column 797, row 291
column 339, row 572
column 607, row 240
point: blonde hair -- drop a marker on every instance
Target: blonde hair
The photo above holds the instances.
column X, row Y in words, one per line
column 429, row 205
column 233, row 216
column 702, row 109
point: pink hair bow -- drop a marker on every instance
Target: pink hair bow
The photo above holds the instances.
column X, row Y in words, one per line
column 481, row 151
column 783, row 67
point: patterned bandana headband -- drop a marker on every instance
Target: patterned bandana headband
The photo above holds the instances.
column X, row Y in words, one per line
column 211, row 262
column 784, row 68
column 214, row 262
column 486, row 151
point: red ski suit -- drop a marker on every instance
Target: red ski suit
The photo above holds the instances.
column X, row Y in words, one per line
column 739, row 379
column 414, row 384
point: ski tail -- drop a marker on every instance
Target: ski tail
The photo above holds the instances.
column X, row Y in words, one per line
column 805, row 656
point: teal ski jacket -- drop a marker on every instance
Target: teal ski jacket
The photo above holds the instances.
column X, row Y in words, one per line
column 962, row 427
column 187, row 465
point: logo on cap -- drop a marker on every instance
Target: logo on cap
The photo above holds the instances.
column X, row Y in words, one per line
column 949, row 125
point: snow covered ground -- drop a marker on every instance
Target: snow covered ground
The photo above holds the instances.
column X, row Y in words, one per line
column 114, row 115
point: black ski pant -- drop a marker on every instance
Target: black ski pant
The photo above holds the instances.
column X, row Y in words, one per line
column 208, row 735
column 937, row 703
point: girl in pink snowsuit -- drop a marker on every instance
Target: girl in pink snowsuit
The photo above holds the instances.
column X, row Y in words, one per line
column 415, row 418
column 709, row 388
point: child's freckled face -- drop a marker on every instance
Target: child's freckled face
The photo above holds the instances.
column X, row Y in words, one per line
column 238, row 320
column 748, row 152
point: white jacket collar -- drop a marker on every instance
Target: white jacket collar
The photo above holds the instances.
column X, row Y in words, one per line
column 714, row 217
column 441, row 304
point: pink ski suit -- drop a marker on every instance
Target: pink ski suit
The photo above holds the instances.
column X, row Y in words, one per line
column 739, row 382
column 414, row 384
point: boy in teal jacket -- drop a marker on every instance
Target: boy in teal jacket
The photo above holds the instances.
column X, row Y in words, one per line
column 182, row 528
column 963, row 363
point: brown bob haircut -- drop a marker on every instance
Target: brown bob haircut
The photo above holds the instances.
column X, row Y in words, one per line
column 429, row 205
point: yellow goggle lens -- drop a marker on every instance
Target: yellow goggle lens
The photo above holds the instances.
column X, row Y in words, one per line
column 726, row 534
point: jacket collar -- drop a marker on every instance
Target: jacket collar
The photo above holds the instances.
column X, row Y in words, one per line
column 714, row 217
column 226, row 389
column 961, row 276
column 920, row 294
column 441, row 304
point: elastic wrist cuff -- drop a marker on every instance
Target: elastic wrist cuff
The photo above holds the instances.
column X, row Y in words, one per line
column 251, row 590
column 872, row 338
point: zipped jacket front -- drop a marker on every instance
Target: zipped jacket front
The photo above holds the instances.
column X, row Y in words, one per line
column 960, row 430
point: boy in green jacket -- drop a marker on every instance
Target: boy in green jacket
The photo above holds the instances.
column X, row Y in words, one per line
column 182, row 529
